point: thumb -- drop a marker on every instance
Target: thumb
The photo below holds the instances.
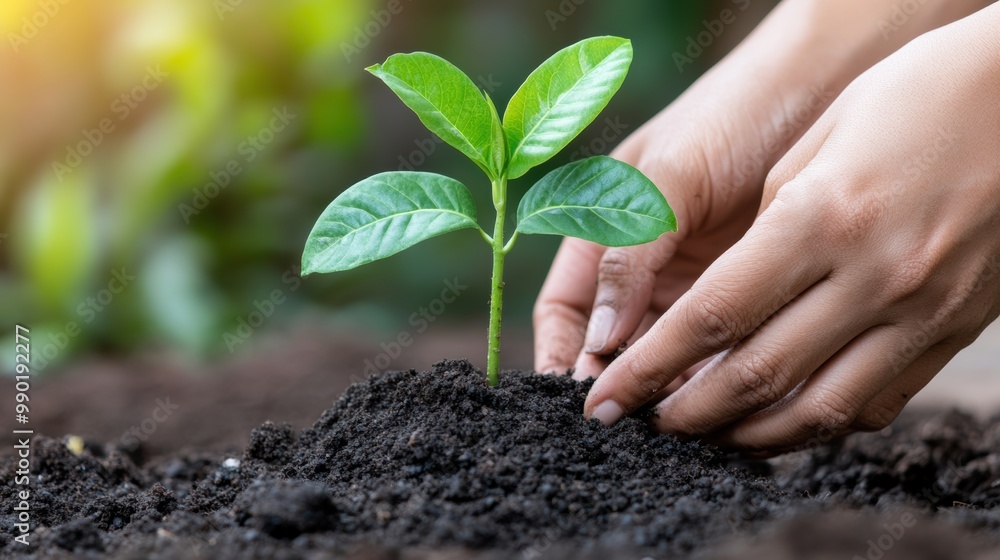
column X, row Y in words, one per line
column 626, row 277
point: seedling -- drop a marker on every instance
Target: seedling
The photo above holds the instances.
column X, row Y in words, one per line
column 598, row 199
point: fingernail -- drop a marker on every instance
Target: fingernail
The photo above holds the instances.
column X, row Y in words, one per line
column 599, row 329
column 608, row 412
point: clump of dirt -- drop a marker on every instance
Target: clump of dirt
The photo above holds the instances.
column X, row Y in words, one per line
column 948, row 459
column 439, row 465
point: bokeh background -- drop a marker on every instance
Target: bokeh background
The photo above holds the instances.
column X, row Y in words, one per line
column 162, row 161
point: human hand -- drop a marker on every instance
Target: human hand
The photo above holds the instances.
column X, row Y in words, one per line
column 710, row 152
column 874, row 261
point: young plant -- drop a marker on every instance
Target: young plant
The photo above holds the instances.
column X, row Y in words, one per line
column 598, row 199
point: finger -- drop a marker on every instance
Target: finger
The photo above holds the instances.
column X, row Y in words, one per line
column 680, row 380
column 674, row 385
column 830, row 401
column 766, row 366
column 796, row 160
column 744, row 287
column 563, row 306
column 592, row 365
column 626, row 277
column 884, row 408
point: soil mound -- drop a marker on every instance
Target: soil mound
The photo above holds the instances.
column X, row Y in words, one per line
column 439, row 464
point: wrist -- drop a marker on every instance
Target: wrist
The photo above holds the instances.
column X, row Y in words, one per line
column 806, row 52
column 831, row 43
column 971, row 45
column 982, row 26
column 773, row 83
column 847, row 37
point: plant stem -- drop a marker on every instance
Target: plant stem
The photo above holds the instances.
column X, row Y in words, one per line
column 496, row 293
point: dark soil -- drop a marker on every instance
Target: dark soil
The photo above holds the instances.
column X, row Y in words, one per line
column 288, row 377
column 441, row 466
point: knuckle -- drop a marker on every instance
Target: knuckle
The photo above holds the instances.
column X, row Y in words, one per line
column 910, row 276
column 968, row 304
column 540, row 313
column 714, row 321
column 966, row 337
column 560, row 332
column 787, row 180
column 680, row 426
column 831, row 412
column 546, row 314
column 959, row 320
column 874, row 418
column 619, row 274
column 851, row 217
column 642, row 377
column 956, row 303
column 759, row 381
column 795, row 202
column 778, row 177
column 617, row 266
column 681, row 169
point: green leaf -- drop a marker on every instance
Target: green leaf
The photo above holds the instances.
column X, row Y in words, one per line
column 445, row 99
column 384, row 215
column 599, row 199
column 562, row 97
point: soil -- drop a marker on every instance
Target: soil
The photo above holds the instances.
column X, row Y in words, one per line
column 437, row 465
column 289, row 377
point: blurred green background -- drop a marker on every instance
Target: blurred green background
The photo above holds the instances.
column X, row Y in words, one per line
column 162, row 161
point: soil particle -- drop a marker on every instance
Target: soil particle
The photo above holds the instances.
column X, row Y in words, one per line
column 285, row 509
column 79, row 536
